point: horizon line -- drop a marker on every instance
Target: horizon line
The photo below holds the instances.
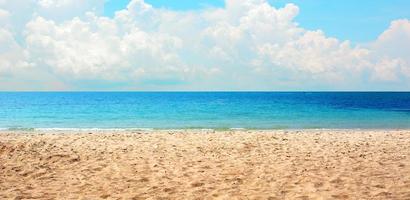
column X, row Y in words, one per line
column 201, row 91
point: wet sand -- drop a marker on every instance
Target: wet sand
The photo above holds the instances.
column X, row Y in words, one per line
column 305, row 164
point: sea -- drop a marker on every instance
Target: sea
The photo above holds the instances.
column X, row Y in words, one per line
column 204, row 110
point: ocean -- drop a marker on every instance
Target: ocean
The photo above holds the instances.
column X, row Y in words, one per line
column 204, row 110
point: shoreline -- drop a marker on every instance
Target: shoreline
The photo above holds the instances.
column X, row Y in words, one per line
column 3, row 130
column 265, row 164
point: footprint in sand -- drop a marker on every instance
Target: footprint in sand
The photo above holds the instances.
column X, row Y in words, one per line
column 169, row 190
column 144, row 179
column 197, row 184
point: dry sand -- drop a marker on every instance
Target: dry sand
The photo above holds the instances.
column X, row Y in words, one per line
column 306, row 164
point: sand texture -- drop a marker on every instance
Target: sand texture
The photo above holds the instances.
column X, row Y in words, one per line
column 306, row 164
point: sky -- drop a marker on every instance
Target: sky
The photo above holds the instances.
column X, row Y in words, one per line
column 357, row 21
column 168, row 45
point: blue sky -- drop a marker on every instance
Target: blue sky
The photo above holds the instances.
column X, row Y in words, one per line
column 354, row 20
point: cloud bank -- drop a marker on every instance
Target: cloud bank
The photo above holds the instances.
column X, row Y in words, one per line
column 247, row 45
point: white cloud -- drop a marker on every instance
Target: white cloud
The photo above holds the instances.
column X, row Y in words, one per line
column 316, row 54
column 392, row 53
column 7, row 47
column 60, row 10
column 395, row 41
column 4, row 15
column 96, row 49
column 249, row 44
column 13, row 60
column 387, row 70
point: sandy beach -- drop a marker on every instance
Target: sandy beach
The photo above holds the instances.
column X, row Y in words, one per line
column 305, row 164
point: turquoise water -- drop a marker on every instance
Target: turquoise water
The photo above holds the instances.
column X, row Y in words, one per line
column 217, row 110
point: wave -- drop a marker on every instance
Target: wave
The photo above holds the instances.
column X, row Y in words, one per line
column 120, row 129
column 28, row 129
column 76, row 129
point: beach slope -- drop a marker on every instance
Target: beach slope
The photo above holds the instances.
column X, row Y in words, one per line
column 305, row 164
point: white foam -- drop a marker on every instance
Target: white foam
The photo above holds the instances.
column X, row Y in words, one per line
column 79, row 129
